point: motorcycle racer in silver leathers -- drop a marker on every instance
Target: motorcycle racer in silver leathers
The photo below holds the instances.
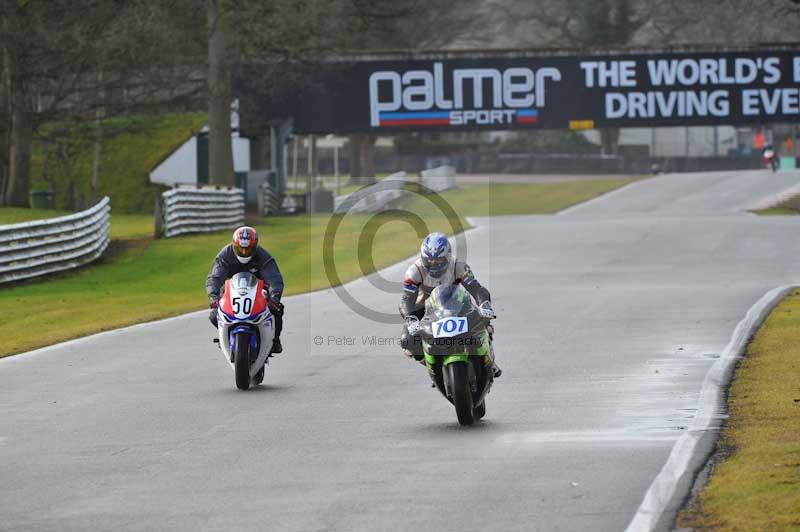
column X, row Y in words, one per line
column 436, row 266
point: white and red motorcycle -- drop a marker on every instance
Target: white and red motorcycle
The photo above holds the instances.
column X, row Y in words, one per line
column 246, row 328
column 771, row 159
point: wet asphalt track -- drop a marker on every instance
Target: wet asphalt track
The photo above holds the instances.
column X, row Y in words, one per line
column 609, row 316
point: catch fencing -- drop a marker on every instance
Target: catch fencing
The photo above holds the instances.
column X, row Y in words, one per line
column 186, row 210
column 438, row 179
column 373, row 198
column 41, row 247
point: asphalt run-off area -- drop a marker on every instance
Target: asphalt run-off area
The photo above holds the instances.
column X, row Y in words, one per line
column 610, row 314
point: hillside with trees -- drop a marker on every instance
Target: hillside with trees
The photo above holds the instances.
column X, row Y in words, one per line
column 67, row 66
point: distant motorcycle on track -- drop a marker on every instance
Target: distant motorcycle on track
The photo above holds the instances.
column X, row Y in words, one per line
column 771, row 159
column 246, row 328
column 458, row 350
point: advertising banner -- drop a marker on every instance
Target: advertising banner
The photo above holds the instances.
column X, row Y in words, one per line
column 517, row 90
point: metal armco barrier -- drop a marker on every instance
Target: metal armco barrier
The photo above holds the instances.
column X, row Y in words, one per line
column 37, row 248
column 373, row 198
column 268, row 200
column 439, row 178
column 186, row 210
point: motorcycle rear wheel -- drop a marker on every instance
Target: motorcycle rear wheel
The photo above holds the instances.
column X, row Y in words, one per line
column 462, row 393
column 241, row 360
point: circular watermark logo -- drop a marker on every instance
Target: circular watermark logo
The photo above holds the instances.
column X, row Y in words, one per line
column 388, row 201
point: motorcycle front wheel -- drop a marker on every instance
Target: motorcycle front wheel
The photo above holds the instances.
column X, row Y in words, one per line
column 241, row 360
column 462, row 394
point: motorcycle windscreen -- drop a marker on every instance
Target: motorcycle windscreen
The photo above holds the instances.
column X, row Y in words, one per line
column 451, row 314
column 448, row 301
column 243, row 282
column 244, row 298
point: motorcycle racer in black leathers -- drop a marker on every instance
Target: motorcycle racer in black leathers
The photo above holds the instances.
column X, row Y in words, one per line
column 245, row 255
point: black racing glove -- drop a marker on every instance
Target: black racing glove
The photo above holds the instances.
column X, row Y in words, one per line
column 275, row 306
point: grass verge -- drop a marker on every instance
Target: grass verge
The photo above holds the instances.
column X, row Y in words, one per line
column 122, row 225
column 141, row 279
column 299, row 184
column 514, row 199
column 755, row 484
column 790, row 206
column 16, row 215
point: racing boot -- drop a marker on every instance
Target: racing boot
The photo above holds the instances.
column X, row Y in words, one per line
column 277, row 347
column 496, row 370
column 277, row 310
column 418, row 357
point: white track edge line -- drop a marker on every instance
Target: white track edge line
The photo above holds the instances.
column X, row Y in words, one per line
column 663, row 499
column 773, row 200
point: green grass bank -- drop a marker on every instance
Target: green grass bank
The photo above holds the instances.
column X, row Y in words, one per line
column 129, row 148
column 140, row 279
column 790, row 206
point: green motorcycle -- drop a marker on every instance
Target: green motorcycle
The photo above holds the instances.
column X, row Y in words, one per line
column 458, row 350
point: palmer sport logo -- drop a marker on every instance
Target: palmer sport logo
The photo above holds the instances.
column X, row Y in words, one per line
column 469, row 96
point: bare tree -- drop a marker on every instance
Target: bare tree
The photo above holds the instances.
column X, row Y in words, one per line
column 220, row 154
column 579, row 24
column 727, row 22
column 651, row 23
column 66, row 59
column 5, row 130
column 411, row 25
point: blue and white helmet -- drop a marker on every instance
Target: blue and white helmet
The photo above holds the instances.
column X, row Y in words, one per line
column 436, row 254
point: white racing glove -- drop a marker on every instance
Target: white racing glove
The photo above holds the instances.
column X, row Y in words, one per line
column 413, row 325
column 486, row 310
